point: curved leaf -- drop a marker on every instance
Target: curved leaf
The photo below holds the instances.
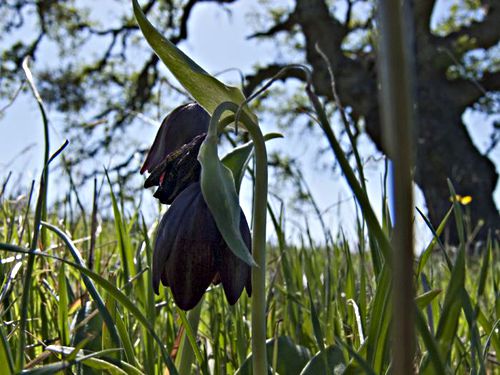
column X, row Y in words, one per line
column 291, row 357
column 237, row 159
column 218, row 188
column 208, row 91
column 317, row 365
column 424, row 299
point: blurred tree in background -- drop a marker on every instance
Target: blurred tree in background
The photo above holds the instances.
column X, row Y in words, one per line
column 103, row 75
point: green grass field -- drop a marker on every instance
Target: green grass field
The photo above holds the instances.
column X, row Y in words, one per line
column 91, row 306
column 76, row 294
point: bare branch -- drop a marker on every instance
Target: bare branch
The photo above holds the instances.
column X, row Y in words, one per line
column 286, row 25
column 486, row 33
column 186, row 12
column 490, row 81
column 263, row 74
column 466, row 92
column 423, row 12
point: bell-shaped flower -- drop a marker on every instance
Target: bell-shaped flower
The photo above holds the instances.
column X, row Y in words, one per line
column 172, row 159
column 190, row 252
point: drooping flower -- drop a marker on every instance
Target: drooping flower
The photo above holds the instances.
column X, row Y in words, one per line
column 190, row 252
column 178, row 128
column 172, row 159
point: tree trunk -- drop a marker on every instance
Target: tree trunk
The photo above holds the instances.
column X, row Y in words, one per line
column 445, row 150
column 443, row 145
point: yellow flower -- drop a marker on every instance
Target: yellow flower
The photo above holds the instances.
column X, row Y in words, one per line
column 463, row 199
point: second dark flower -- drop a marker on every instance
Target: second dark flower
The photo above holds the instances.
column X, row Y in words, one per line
column 190, row 252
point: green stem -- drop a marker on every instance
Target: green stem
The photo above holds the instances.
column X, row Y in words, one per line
column 359, row 193
column 40, row 214
column 397, row 114
column 259, row 238
column 259, row 253
column 188, row 344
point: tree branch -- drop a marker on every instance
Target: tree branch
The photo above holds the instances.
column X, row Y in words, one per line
column 466, row 92
column 186, row 12
column 286, row 25
column 485, row 33
column 268, row 72
column 423, row 12
column 490, row 81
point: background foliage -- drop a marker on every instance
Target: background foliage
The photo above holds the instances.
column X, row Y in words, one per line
column 87, row 300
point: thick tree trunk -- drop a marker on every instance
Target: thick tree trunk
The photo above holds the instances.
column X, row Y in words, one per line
column 444, row 147
column 445, row 150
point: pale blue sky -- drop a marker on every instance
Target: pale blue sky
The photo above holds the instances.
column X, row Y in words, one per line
column 217, row 41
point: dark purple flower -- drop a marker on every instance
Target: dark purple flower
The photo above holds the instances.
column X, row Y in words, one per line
column 190, row 252
column 178, row 128
column 172, row 159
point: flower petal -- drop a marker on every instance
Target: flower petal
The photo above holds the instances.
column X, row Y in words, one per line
column 166, row 237
column 191, row 266
column 234, row 273
column 180, row 169
column 178, row 128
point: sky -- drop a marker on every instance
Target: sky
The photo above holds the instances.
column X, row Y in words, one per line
column 218, row 41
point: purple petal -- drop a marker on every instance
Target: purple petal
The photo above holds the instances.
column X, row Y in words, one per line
column 177, row 129
column 234, row 273
column 191, row 266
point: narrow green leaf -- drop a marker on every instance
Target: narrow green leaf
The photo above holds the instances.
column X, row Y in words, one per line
column 190, row 334
column 457, row 210
column 291, row 357
column 208, row 91
column 318, row 333
column 475, row 338
column 492, row 336
column 124, row 245
column 380, row 318
column 369, row 214
column 106, row 341
column 72, row 355
column 90, row 360
column 489, row 328
column 424, row 299
column 424, row 257
column 219, row 191
column 88, row 283
column 110, row 288
column 438, row 365
column 484, row 269
column 125, row 337
column 149, row 352
column 188, row 346
column 62, row 315
column 237, row 159
column 5, row 353
column 447, row 326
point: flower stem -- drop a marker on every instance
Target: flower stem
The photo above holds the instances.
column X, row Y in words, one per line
column 186, row 349
column 259, row 253
column 259, row 352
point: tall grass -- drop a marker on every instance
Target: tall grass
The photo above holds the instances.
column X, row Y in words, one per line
column 328, row 308
column 315, row 321
column 79, row 299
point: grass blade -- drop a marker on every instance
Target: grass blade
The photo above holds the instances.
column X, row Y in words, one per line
column 112, row 290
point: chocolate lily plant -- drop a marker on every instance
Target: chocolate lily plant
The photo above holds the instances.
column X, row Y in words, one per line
column 190, row 252
column 204, row 237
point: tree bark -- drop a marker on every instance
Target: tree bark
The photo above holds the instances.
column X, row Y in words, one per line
column 444, row 147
